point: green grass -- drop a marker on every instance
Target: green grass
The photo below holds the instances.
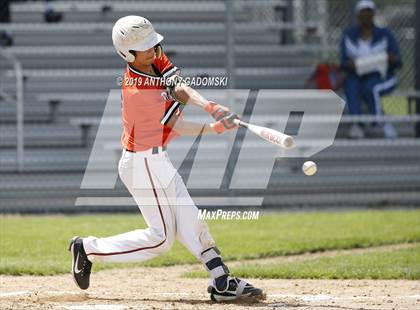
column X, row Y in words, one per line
column 402, row 264
column 395, row 105
column 38, row 244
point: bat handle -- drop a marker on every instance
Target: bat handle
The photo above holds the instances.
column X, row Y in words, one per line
column 238, row 122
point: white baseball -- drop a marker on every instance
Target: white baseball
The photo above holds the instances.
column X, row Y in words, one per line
column 309, row 168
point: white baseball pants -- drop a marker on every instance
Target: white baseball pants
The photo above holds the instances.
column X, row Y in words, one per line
column 167, row 209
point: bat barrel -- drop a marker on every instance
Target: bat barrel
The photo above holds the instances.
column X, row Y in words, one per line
column 270, row 135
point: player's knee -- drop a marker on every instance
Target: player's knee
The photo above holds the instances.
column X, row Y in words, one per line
column 166, row 245
column 163, row 240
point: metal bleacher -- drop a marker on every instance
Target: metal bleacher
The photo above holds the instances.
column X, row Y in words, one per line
column 69, row 68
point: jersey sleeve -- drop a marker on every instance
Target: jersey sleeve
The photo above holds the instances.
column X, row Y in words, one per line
column 165, row 66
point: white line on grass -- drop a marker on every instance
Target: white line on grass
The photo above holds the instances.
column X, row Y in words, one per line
column 94, row 307
column 322, row 297
column 305, row 297
column 175, row 294
column 17, row 293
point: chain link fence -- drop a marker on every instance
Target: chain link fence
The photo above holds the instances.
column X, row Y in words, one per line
column 317, row 26
column 399, row 16
column 276, row 44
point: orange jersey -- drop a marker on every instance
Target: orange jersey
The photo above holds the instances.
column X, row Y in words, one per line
column 146, row 107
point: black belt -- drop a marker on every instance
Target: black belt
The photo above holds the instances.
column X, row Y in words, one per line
column 155, row 150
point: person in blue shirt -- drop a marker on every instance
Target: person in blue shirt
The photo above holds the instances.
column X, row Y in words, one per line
column 363, row 82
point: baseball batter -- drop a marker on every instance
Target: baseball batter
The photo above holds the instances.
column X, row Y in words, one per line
column 152, row 117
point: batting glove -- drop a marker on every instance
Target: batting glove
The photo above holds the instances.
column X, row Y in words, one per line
column 217, row 111
column 225, row 123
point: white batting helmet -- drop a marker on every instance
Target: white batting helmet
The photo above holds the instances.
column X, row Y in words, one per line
column 134, row 33
column 365, row 4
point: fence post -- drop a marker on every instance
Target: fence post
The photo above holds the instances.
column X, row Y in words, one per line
column 230, row 44
column 322, row 28
column 17, row 67
column 231, row 75
column 417, row 63
column 19, row 117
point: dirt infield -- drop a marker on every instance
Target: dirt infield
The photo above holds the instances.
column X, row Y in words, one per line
column 164, row 288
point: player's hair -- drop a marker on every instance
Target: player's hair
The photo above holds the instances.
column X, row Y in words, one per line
column 158, row 51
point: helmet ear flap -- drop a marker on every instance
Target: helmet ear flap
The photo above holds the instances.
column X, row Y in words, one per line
column 131, row 56
column 158, row 50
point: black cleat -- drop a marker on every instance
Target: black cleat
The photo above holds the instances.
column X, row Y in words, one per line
column 237, row 290
column 80, row 265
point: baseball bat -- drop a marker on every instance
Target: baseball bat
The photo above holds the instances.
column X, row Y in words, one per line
column 270, row 135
